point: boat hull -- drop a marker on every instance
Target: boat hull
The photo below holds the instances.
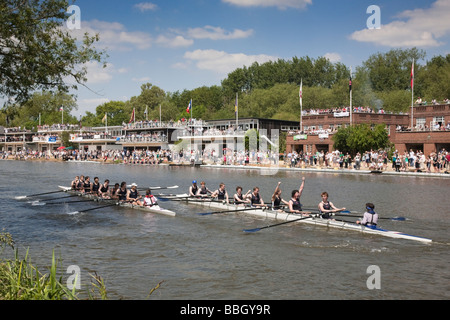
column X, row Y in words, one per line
column 154, row 209
column 314, row 220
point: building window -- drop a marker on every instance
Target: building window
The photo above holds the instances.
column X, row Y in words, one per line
column 420, row 123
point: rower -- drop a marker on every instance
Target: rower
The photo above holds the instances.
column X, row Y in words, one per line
column 133, row 195
column 326, row 207
column 370, row 217
column 294, row 204
column 277, row 200
column 122, row 192
column 87, row 185
column 95, row 186
column 149, row 199
column 221, row 193
column 255, row 198
column 193, row 189
column 104, row 190
column 80, row 185
column 203, row 191
column 239, row 198
column 74, row 183
column 115, row 192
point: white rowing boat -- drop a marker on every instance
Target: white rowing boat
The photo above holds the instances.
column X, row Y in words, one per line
column 284, row 216
column 153, row 209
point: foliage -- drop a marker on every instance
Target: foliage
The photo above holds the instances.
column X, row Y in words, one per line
column 37, row 52
column 21, row 280
column 360, row 138
column 268, row 90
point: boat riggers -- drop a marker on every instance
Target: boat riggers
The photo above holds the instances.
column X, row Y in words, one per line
column 278, row 224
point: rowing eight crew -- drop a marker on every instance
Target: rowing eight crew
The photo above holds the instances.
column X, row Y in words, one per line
column 254, row 199
column 119, row 192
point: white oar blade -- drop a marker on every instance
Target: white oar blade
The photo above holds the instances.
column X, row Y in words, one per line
column 37, row 203
column 74, row 212
column 20, row 197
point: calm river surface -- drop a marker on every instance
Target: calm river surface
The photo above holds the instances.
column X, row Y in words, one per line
column 209, row 257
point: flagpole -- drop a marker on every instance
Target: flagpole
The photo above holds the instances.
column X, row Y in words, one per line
column 301, row 105
column 106, row 122
column 351, row 104
column 412, row 94
column 159, row 114
column 237, row 111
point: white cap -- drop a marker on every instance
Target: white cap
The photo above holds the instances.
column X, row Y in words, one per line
column 134, row 184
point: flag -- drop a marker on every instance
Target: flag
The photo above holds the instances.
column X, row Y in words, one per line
column 412, row 75
column 146, row 112
column 350, row 83
column 236, row 105
column 104, row 118
column 132, row 117
column 61, row 108
column 300, row 93
column 188, row 109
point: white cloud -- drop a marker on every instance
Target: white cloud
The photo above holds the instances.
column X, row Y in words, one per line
column 114, row 36
column 333, row 56
column 280, row 4
column 421, row 28
column 174, row 41
column 223, row 62
column 146, row 6
column 218, row 33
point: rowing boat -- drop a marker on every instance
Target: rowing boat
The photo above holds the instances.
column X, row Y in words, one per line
column 285, row 216
column 153, row 209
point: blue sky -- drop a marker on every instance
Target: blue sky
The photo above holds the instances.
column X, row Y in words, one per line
column 184, row 44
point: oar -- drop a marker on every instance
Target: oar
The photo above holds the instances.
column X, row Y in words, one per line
column 277, row 224
column 38, row 194
column 109, row 205
column 71, row 196
column 224, row 211
column 156, row 188
column 64, row 202
column 385, row 218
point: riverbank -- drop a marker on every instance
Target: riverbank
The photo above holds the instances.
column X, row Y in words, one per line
column 266, row 169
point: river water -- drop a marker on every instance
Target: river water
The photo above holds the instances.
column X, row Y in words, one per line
column 209, row 257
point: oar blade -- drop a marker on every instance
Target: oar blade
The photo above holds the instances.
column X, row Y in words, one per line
column 252, row 230
column 398, row 218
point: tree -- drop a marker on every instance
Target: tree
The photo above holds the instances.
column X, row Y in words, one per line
column 361, row 138
column 49, row 106
column 37, row 52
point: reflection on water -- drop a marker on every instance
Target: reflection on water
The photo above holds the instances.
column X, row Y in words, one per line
column 209, row 257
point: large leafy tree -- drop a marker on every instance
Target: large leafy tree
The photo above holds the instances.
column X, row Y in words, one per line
column 37, row 50
column 361, row 138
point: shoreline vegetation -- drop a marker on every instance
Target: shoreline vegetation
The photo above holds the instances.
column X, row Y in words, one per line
column 20, row 279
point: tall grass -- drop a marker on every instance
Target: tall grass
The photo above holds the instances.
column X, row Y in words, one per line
column 21, row 280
